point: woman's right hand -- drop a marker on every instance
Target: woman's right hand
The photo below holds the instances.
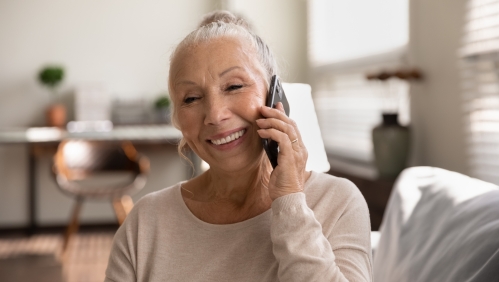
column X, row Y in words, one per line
column 289, row 176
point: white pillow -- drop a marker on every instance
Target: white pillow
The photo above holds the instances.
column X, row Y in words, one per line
column 439, row 226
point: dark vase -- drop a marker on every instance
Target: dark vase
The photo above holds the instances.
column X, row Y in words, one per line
column 391, row 143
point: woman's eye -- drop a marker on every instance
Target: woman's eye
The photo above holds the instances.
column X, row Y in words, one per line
column 189, row 100
column 234, row 87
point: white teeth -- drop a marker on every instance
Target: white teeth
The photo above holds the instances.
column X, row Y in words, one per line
column 229, row 138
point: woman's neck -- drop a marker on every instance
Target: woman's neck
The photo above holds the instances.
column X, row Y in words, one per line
column 227, row 197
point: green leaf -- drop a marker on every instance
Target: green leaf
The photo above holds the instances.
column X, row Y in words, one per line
column 51, row 76
column 162, row 102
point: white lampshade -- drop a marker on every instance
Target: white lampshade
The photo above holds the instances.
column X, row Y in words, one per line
column 302, row 111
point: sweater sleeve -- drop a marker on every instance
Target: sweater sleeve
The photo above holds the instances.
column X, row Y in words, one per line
column 304, row 253
column 121, row 260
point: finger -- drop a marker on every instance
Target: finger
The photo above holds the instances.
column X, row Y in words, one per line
column 269, row 113
column 273, row 112
column 278, row 124
column 279, row 113
column 280, row 137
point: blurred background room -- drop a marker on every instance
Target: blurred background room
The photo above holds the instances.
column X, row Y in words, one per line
column 395, row 83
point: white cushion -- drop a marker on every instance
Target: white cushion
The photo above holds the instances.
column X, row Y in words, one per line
column 439, row 226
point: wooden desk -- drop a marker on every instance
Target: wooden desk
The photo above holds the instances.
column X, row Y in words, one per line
column 39, row 139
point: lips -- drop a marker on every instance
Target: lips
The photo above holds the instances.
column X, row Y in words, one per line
column 228, row 139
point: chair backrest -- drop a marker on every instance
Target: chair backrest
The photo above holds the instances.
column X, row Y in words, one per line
column 77, row 160
column 439, row 226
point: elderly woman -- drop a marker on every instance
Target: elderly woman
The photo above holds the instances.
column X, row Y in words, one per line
column 240, row 220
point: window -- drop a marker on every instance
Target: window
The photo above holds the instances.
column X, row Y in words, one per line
column 348, row 39
column 480, row 72
column 344, row 30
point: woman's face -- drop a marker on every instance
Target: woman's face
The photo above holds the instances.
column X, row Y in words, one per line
column 218, row 88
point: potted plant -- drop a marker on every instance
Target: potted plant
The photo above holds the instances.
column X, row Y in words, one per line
column 162, row 107
column 51, row 77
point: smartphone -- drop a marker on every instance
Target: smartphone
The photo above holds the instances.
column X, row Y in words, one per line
column 275, row 95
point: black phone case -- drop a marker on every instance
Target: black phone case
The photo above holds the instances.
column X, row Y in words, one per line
column 275, row 95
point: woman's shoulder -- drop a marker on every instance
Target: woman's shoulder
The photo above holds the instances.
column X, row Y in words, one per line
column 327, row 185
column 157, row 199
column 334, row 200
column 328, row 194
column 147, row 210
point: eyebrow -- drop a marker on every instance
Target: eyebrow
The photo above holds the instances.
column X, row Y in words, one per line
column 228, row 70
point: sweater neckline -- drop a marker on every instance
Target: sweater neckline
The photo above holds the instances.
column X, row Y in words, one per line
column 221, row 227
column 259, row 219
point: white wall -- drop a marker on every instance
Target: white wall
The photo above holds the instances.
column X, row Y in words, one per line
column 282, row 24
column 124, row 44
column 437, row 111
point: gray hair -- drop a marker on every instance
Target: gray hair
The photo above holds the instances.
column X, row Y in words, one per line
column 224, row 24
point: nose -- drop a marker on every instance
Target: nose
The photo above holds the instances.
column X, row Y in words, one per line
column 217, row 109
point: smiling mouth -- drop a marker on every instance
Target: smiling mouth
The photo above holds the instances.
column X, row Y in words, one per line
column 230, row 138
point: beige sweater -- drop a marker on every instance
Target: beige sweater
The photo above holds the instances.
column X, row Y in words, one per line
column 322, row 234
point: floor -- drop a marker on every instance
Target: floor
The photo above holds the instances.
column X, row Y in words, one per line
column 39, row 258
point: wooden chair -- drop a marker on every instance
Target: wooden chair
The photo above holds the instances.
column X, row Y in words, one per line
column 80, row 166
